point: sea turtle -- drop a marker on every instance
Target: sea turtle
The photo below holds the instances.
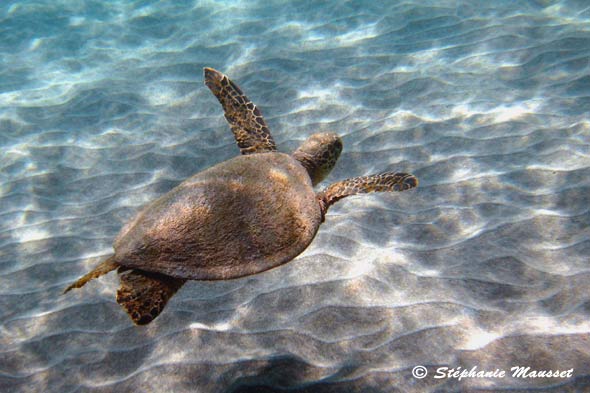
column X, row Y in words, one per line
column 243, row 216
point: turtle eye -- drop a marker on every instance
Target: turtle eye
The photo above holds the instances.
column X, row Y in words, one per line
column 338, row 145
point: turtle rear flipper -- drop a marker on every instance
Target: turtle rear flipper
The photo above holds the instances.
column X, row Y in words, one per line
column 246, row 121
column 144, row 294
column 383, row 182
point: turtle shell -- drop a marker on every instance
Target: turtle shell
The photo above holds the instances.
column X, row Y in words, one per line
column 240, row 217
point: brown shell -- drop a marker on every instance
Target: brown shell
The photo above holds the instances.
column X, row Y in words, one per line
column 240, row 217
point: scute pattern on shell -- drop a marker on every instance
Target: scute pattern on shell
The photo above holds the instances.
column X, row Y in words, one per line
column 240, row 217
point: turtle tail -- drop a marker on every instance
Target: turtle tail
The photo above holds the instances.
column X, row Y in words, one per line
column 106, row 266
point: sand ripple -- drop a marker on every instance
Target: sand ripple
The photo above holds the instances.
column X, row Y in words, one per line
column 102, row 109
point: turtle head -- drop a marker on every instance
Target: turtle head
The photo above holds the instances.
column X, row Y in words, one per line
column 318, row 154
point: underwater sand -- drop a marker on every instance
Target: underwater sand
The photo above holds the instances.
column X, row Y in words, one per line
column 103, row 109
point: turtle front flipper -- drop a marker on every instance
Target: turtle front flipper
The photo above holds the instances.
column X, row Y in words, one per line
column 246, row 122
column 144, row 295
column 382, row 182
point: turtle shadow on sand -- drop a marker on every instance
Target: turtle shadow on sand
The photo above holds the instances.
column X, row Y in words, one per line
column 243, row 216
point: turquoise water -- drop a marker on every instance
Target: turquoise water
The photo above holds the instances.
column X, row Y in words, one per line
column 103, row 109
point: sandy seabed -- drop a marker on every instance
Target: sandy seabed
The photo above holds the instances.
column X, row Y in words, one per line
column 102, row 109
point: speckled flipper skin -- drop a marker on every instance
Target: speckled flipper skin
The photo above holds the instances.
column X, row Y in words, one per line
column 246, row 121
column 383, row 182
column 144, row 295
